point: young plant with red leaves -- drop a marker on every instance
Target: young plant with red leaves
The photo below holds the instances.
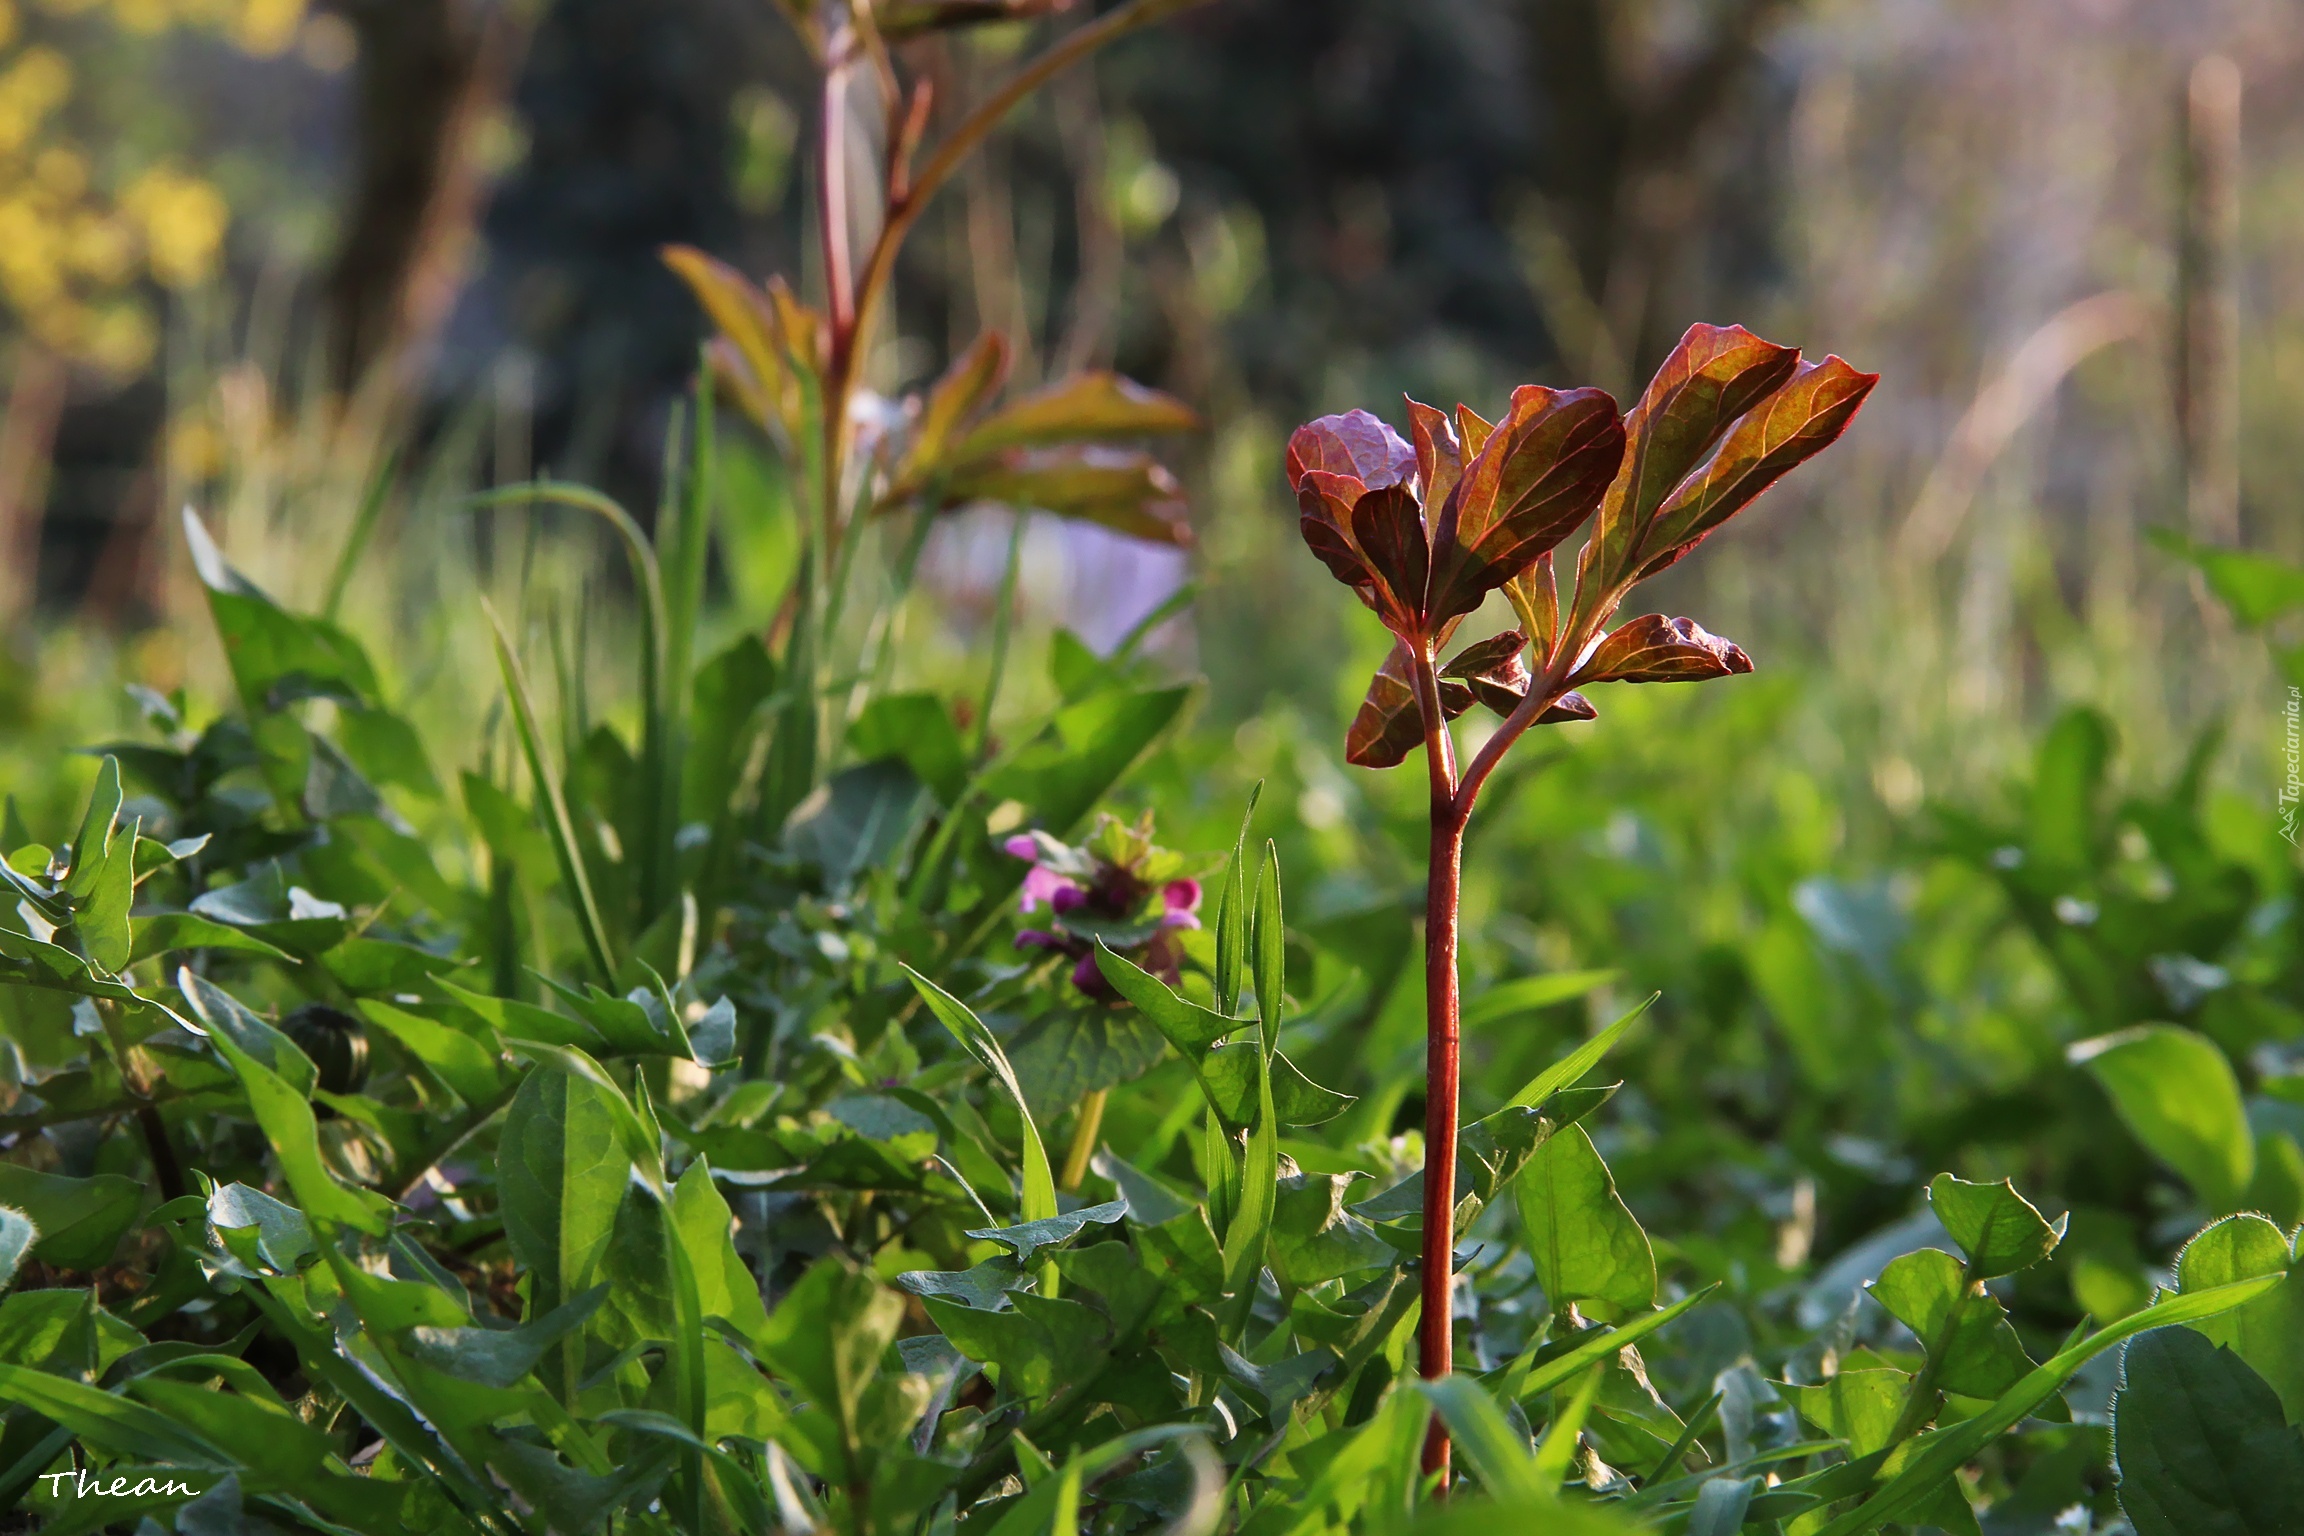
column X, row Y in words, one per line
column 1425, row 531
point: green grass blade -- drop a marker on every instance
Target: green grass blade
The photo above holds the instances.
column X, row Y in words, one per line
column 554, row 806
column 655, row 854
column 357, row 536
column 1530, row 993
column 1570, row 1068
column 1532, row 1379
column 1269, row 943
column 1039, row 1191
column 1558, row 1447
column 1478, row 1427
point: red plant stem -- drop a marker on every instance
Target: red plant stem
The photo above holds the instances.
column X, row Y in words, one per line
column 1436, row 1343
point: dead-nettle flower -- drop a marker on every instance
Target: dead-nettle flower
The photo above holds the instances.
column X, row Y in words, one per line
column 1119, row 887
column 1424, row 529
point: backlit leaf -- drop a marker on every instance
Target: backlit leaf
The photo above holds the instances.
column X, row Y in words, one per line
column 2175, row 1091
column 1712, row 377
column 1541, row 473
column 1585, row 1243
column 1657, row 649
column 1794, row 424
column 1999, row 1230
column 1080, row 407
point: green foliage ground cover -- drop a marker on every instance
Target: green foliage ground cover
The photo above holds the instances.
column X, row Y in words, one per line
column 591, row 1141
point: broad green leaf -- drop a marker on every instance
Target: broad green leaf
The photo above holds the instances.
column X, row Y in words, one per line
column 17, row 1235
column 1936, row 1456
column 1189, row 1027
column 857, row 820
column 2268, row 1333
column 2176, row 1093
column 1229, row 1079
column 158, row 932
column 1981, row 1356
column 1585, row 1244
column 917, row 730
column 386, row 750
column 705, row 1228
column 2200, row 1443
column 278, row 1449
column 228, row 1020
column 1069, row 1053
column 128, row 1429
column 501, row 1357
column 462, row 1063
column 1720, row 1506
column 79, row 1221
column 1027, row 1238
column 1999, row 1230
column 635, row 1124
column 827, row 1335
column 275, row 655
column 561, row 1168
column 2067, row 790
column 94, row 839
column 1569, row 1070
column 101, row 919
column 1860, row 1407
column 261, row 1232
column 1314, row 1238
column 285, row 1116
column 1062, row 773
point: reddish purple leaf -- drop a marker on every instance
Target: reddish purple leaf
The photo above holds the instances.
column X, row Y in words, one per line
column 1538, row 476
column 1389, row 528
column 1324, row 504
column 1535, row 596
column 1439, row 460
column 1567, row 707
column 1390, row 723
column 1656, row 649
column 1493, row 670
column 1792, row 425
column 1714, row 376
column 1356, row 444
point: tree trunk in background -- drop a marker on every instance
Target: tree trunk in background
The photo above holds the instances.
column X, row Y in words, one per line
column 1618, row 168
column 27, row 444
column 430, row 73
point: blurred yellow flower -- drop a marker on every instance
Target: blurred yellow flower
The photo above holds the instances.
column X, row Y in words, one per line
column 183, row 218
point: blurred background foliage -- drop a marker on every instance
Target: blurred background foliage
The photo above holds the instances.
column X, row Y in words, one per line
column 268, row 259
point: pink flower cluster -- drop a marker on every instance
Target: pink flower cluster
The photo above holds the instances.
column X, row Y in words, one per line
column 1100, row 895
